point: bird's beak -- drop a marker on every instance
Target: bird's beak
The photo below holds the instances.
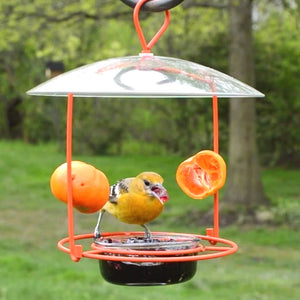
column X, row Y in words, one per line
column 160, row 193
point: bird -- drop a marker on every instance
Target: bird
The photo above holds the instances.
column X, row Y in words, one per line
column 136, row 200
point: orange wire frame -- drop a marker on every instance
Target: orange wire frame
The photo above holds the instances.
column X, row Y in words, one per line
column 201, row 252
column 105, row 253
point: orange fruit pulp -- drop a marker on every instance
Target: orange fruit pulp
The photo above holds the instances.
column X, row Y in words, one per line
column 90, row 186
column 202, row 174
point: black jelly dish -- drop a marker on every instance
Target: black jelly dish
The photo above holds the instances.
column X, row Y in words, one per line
column 144, row 273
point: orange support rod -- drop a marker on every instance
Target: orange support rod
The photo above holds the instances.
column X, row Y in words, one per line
column 216, row 149
column 75, row 250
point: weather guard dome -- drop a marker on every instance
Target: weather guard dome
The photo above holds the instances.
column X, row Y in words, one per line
column 145, row 75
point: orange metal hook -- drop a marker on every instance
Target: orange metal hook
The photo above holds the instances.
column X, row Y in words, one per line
column 147, row 46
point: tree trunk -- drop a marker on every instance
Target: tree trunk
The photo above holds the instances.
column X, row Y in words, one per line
column 244, row 190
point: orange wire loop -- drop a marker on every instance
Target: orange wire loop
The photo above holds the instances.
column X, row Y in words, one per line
column 201, row 252
column 147, row 46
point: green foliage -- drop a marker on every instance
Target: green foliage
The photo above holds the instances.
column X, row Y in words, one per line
column 81, row 32
column 278, row 58
column 100, row 125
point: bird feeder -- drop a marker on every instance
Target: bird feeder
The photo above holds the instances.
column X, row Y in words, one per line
column 170, row 257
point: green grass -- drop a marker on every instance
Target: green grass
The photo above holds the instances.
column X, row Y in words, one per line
column 266, row 267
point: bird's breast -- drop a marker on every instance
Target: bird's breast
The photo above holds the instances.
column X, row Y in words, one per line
column 135, row 209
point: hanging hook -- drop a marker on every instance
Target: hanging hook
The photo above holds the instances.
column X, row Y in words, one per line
column 147, row 47
column 154, row 5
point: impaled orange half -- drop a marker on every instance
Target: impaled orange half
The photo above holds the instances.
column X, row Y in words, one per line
column 90, row 186
column 202, row 174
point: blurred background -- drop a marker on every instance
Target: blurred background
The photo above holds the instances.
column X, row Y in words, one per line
column 254, row 41
column 43, row 38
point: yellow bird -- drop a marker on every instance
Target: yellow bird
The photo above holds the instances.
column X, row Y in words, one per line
column 136, row 200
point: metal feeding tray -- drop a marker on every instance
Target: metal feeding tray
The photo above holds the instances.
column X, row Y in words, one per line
column 126, row 258
column 148, row 272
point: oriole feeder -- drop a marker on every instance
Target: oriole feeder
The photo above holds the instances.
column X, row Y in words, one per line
column 123, row 257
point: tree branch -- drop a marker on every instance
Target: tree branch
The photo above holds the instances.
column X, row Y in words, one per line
column 213, row 4
column 76, row 14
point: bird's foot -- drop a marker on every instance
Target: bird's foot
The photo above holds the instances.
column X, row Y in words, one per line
column 148, row 235
column 97, row 234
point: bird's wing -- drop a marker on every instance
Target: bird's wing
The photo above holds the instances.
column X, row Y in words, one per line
column 121, row 187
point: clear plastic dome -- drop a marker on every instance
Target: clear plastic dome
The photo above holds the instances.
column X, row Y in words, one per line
column 145, row 75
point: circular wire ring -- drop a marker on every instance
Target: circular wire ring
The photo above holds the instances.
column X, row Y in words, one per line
column 154, row 5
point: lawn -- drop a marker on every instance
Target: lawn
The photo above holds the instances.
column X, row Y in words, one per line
column 32, row 221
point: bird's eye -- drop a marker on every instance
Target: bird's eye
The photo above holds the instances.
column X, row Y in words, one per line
column 147, row 183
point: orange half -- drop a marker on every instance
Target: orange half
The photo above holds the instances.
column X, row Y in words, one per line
column 201, row 175
column 90, row 186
